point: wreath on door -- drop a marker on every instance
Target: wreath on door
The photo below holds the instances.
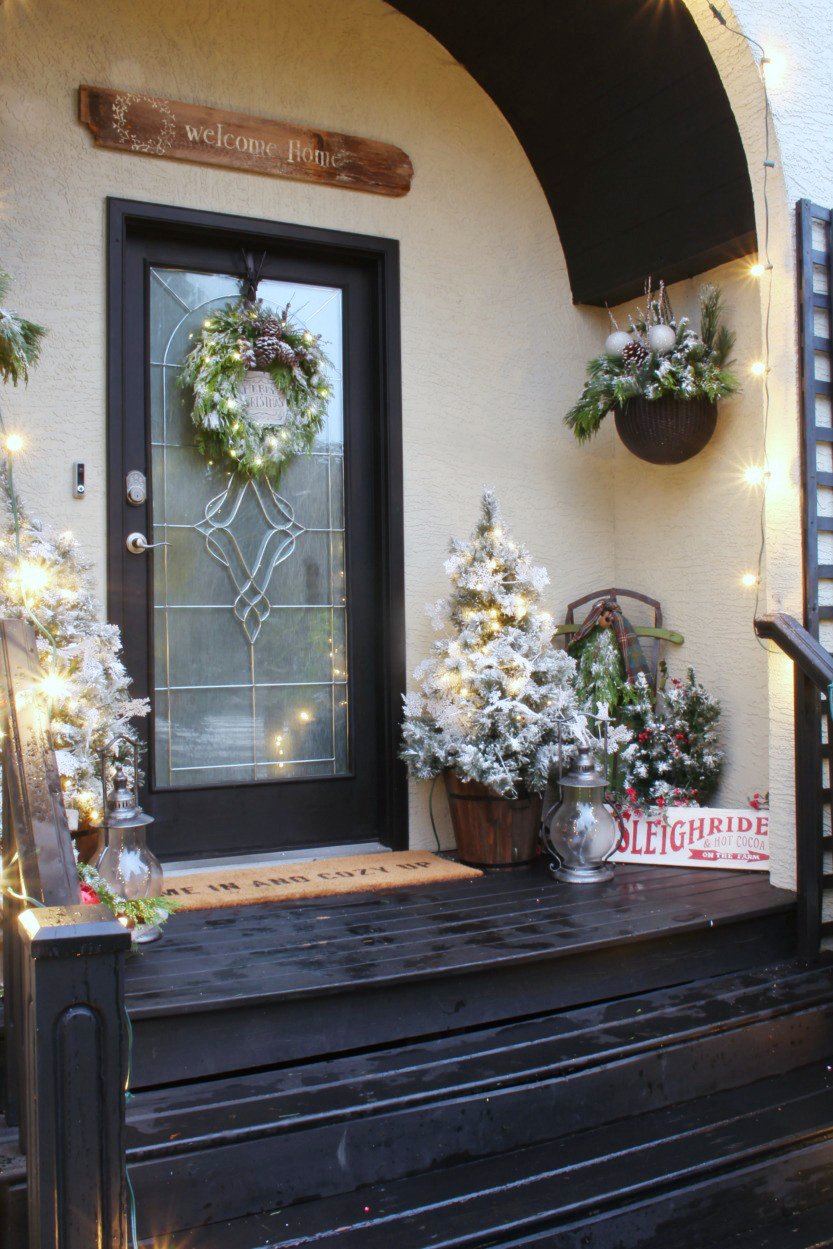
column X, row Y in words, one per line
column 260, row 388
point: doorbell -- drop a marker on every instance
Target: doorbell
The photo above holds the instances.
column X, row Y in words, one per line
column 79, row 488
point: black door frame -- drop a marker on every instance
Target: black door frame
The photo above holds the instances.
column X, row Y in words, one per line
column 381, row 255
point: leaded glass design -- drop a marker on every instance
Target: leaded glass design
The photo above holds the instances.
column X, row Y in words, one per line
column 250, row 593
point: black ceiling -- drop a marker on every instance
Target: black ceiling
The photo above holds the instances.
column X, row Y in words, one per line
column 622, row 113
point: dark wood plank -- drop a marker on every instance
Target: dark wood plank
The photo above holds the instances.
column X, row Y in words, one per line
column 333, row 957
column 688, row 1159
column 148, row 126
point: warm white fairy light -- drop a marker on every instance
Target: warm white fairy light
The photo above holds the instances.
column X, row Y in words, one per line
column 32, row 577
column 755, row 475
column 14, row 442
column 748, row 580
column 758, row 368
column 54, row 685
column 757, row 270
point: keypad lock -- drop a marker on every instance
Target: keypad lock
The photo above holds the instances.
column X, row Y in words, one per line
column 137, row 488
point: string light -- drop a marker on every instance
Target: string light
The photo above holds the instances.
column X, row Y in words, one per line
column 759, row 368
column 759, row 269
column 749, row 579
column 32, row 577
column 755, row 475
column 54, row 686
column 305, row 716
column 14, row 442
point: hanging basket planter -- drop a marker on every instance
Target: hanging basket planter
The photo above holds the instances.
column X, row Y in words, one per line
column 662, row 380
column 667, row 430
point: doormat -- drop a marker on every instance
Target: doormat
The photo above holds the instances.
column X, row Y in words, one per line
column 318, row 878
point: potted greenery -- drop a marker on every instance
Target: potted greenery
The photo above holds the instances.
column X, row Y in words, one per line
column 662, row 380
column 491, row 697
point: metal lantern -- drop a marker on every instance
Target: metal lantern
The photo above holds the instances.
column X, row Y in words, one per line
column 579, row 831
column 127, row 864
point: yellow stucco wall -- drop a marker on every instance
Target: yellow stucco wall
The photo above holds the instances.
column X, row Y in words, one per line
column 493, row 350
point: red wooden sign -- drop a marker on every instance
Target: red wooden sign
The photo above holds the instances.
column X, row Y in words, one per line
column 149, row 126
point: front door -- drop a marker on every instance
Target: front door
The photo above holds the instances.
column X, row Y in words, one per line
column 264, row 622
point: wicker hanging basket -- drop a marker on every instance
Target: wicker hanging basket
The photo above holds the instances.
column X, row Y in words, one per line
column 666, row 431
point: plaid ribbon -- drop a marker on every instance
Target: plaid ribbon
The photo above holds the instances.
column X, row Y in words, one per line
column 607, row 614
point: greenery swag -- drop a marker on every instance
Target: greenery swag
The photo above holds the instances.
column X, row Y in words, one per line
column 652, row 363
column 239, row 338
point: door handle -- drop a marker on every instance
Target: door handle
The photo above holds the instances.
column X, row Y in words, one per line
column 137, row 543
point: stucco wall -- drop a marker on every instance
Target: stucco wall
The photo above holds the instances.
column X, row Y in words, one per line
column 493, row 349
column 688, row 532
column 798, row 37
column 491, row 342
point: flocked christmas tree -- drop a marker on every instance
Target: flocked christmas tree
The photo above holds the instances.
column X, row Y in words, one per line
column 675, row 757
column 601, row 679
column 495, row 688
column 45, row 581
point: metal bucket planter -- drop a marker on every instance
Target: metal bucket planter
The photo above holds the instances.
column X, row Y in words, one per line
column 492, row 831
column 666, row 431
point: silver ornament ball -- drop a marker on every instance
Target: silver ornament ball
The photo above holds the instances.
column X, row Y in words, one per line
column 616, row 343
column 661, row 339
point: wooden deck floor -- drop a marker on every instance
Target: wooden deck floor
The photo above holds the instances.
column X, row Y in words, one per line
column 511, row 919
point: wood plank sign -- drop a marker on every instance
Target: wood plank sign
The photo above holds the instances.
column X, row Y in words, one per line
column 698, row 837
column 129, row 122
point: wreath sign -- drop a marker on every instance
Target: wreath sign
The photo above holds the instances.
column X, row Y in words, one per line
column 260, row 391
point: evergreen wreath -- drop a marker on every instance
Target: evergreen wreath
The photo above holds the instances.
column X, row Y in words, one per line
column 239, row 338
column 639, row 363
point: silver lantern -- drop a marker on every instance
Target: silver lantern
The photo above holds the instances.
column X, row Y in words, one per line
column 579, row 831
column 127, row 864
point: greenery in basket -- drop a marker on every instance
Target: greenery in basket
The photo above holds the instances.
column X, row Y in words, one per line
column 660, row 357
column 495, row 688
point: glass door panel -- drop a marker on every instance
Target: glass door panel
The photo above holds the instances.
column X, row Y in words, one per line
column 250, row 680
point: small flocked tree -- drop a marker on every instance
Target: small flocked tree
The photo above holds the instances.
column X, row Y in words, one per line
column 675, row 757
column 601, row 679
column 45, row 580
column 495, row 688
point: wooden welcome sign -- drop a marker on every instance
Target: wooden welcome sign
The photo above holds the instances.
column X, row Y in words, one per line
column 149, row 126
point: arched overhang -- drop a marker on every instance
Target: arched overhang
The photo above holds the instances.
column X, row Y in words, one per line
column 622, row 113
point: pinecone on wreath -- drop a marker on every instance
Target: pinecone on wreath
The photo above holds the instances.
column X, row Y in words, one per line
column 265, row 349
column 284, row 354
column 635, row 353
column 247, row 354
column 273, row 326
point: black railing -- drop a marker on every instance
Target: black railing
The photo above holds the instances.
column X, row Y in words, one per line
column 65, row 1042
column 813, row 697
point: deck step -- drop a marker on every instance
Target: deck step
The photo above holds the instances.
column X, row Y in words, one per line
column 226, row 1148
column 811, row 1229
column 262, row 986
column 690, row 1175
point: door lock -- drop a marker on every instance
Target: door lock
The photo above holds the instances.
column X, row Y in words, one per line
column 137, row 488
column 137, row 543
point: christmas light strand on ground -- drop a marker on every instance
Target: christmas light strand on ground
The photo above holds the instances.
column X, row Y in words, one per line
column 759, row 270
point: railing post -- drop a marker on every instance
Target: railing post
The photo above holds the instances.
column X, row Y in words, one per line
column 75, row 1064
column 808, row 817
